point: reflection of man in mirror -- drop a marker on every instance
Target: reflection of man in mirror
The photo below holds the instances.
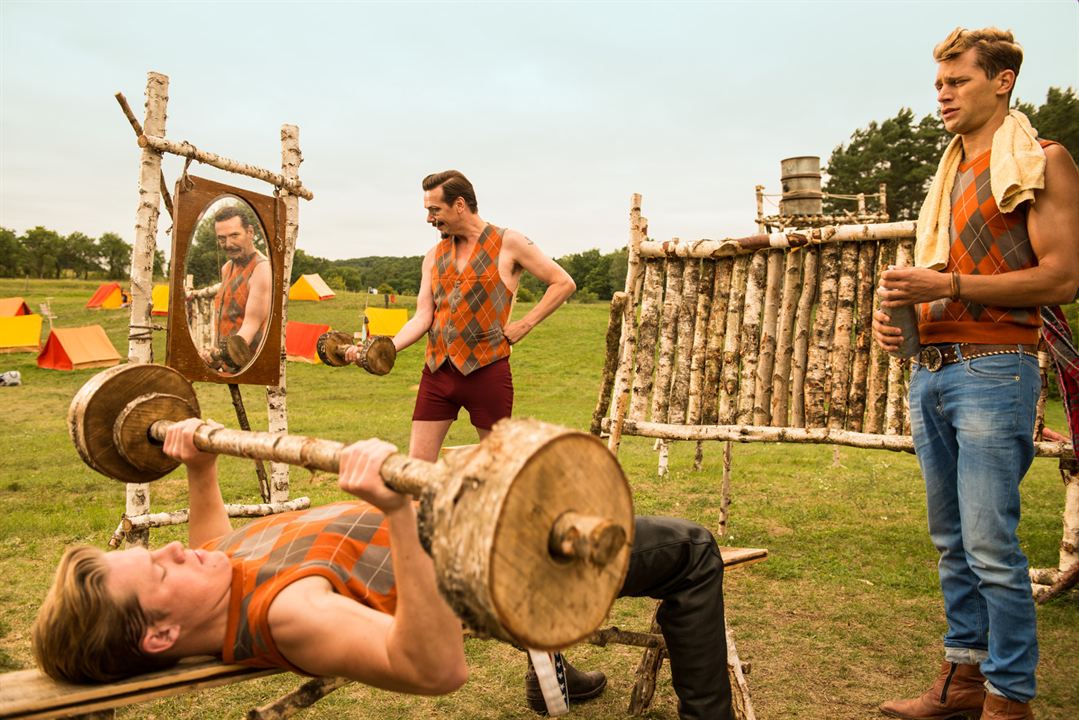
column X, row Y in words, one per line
column 242, row 303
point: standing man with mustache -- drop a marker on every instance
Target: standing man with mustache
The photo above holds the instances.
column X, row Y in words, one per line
column 242, row 303
column 466, row 293
column 998, row 237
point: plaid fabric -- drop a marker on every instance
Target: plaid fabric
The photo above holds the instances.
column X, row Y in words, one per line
column 1058, row 336
column 985, row 241
column 471, row 307
column 347, row 543
column 230, row 304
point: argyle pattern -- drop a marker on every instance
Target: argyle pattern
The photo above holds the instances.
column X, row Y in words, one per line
column 347, row 543
column 471, row 307
column 985, row 241
column 230, row 303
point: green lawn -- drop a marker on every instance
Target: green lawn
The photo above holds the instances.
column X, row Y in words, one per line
column 845, row 613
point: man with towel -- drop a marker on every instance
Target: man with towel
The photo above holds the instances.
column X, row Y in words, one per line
column 998, row 237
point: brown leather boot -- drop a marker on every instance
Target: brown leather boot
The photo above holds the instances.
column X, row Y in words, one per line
column 1001, row 708
column 959, row 692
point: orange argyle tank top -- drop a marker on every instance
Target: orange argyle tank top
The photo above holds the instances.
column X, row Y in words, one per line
column 471, row 306
column 985, row 241
column 348, row 543
column 230, row 304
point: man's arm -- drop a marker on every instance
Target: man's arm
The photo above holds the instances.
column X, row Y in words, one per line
column 1053, row 226
column 258, row 302
column 207, row 518
column 420, row 323
column 419, row 649
column 520, row 251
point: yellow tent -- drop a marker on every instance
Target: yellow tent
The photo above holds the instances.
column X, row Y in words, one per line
column 384, row 321
column 310, row 287
column 20, row 333
column 159, row 298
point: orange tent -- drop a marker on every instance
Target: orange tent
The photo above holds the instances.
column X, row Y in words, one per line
column 78, row 348
column 300, row 340
column 12, row 306
column 109, row 296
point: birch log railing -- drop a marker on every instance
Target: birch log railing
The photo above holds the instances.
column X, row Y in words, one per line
column 767, row 338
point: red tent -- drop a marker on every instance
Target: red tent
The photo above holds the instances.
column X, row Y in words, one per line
column 300, row 341
column 108, row 295
column 77, row 348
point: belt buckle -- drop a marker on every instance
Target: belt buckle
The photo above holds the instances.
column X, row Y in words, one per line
column 930, row 358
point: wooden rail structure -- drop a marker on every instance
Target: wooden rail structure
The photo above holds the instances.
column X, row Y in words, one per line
column 767, row 338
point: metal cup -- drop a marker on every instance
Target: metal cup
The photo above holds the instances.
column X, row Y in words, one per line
column 905, row 319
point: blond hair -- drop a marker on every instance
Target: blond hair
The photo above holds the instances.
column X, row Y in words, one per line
column 995, row 49
column 82, row 633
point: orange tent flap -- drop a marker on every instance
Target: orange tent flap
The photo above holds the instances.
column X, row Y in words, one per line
column 300, row 340
column 20, row 333
column 12, row 306
column 103, row 294
column 76, row 348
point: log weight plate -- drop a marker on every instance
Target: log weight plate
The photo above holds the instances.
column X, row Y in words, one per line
column 132, row 431
column 91, row 418
column 377, row 353
column 494, row 526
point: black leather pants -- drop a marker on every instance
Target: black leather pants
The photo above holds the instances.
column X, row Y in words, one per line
column 678, row 562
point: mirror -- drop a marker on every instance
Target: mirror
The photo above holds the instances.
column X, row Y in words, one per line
column 227, row 265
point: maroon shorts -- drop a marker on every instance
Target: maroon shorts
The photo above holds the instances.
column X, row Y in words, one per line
column 487, row 394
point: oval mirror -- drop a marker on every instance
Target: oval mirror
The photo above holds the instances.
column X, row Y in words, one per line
column 231, row 298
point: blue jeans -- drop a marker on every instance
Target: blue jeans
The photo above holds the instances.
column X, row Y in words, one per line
column 972, row 423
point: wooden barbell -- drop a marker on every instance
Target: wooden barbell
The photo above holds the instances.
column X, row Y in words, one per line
column 529, row 530
column 376, row 354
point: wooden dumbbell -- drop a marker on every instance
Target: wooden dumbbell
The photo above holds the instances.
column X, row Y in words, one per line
column 529, row 530
column 376, row 354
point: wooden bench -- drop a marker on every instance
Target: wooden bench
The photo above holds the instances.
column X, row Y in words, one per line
column 767, row 338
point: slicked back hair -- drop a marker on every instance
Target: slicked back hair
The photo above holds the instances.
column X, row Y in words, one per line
column 454, row 185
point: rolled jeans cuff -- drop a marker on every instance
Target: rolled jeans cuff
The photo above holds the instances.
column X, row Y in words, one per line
column 965, row 656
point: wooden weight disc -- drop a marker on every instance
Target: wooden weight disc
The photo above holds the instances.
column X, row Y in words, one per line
column 379, row 354
column 493, row 520
column 131, row 432
column 91, row 418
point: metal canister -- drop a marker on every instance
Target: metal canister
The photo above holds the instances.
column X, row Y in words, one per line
column 906, row 320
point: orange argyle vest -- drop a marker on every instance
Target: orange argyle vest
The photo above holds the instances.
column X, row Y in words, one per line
column 230, row 304
column 985, row 241
column 471, row 307
column 348, row 543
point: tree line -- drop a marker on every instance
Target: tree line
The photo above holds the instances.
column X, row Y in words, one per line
column 901, row 151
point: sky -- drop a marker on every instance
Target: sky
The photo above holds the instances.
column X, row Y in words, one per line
column 557, row 111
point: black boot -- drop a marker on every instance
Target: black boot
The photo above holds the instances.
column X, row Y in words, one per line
column 581, row 685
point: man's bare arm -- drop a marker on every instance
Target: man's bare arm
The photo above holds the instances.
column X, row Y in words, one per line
column 519, row 250
column 258, row 302
column 419, row 649
column 420, row 323
column 207, row 518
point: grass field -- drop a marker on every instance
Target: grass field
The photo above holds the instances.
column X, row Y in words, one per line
column 845, row 613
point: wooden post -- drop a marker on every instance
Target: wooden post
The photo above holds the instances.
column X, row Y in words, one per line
column 672, row 303
column 762, row 401
column 687, row 310
column 877, row 383
column 702, row 315
column 839, row 360
column 751, row 336
column 276, row 396
column 647, row 335
column 823, row 327
column 140, row 346
column 717, row 321
column 897, row 395
column 610, row 362
column 732, row 338
column 781, row 373
column 628, row 347
column 863, row 335
column 800, row 356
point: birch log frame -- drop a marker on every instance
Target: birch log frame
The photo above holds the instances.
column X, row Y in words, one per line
column 672, row 303
column 800, row 355
column 687, row 310
column 823, row 325
column 840, row 356
column 877, row 383
column 863, row 335
column 781, row 373
column 762, row 399
column 713, row 361
column 186, row 149
column 705, row 288
column 647, row 335
column 732, row 338
column 751, row 336
column 529, row 530
column 613, row 341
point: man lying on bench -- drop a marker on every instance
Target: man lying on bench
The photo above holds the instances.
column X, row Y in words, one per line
column 315, row 592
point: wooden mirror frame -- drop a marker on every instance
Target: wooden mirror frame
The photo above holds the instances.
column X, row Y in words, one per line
column 193, row 196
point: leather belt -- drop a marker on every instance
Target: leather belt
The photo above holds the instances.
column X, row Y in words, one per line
column 934, row 357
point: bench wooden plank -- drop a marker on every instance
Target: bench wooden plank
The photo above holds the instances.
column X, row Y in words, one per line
column 736, row 557
column 30, row 694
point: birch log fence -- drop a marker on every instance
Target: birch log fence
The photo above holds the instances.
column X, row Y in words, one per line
column 786, row 353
